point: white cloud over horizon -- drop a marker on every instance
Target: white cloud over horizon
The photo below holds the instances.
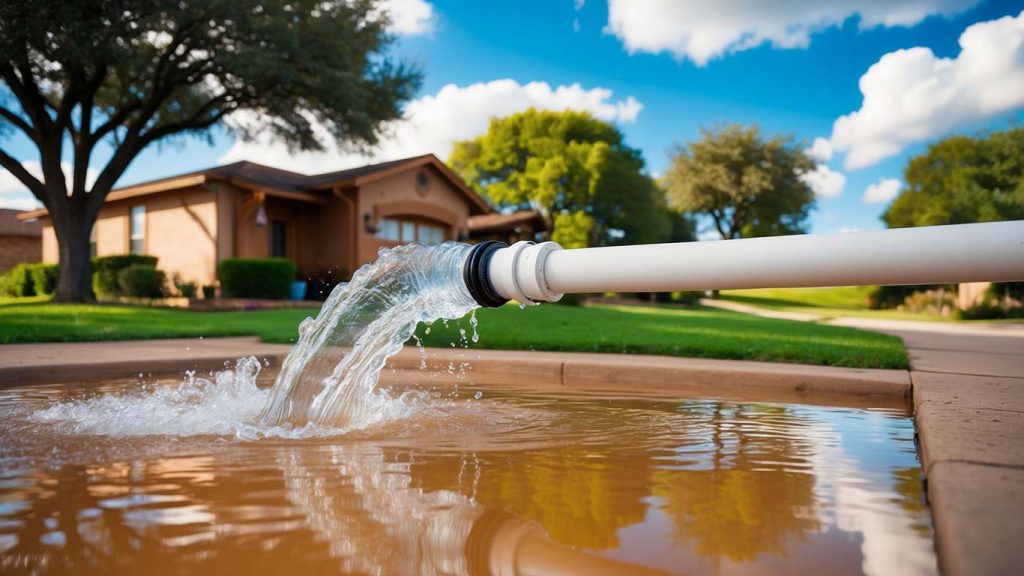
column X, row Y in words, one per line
column 820, row 150
column 911, row 96
column 409, row 17
column 15, row 195
column 825, row 182
column 882, row 191
column 433, row 123
column 702, row 31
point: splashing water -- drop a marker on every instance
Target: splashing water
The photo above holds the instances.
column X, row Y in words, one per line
column 328, row 382
column 330, row 377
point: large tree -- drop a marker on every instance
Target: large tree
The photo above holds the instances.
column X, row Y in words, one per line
column 104, row 79
column 961, row 180
column 575, row 169
column 746, row 184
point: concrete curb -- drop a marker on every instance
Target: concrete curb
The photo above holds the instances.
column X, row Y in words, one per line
column 764, row 381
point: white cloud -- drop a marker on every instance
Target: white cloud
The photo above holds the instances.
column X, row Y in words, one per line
column 882, row 191
column 410, row 17
column 825, row 182
column 912, row 96
column 433, row 123
column 14, row 194
column 702, row 30
column 820, row 150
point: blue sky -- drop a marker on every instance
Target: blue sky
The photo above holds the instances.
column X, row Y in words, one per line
column 661, row 70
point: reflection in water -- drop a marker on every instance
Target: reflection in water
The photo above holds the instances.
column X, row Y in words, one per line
column 514, row 483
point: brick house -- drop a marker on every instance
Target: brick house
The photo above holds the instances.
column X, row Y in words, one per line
column 20, row 241
column 324, row 223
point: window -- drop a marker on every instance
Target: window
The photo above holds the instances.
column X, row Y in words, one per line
column 278, row 245
column 387, row 229
column 430, row 234
column 137, row 230
column 92, row 241
column 406, row 231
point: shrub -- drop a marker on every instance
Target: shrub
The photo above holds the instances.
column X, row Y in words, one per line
column 142, row 281
column 209, row 292
column 930, row 302
column 44, row 278
column 572, row 299
column 269, row 278
column 20, row 282
column 186, row 288
column 6, row 284
column 106, row 276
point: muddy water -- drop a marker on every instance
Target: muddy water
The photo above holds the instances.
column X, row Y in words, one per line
column 499, row 479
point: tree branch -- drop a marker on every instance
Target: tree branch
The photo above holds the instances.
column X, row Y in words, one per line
column 19, row 171
column 19, row 122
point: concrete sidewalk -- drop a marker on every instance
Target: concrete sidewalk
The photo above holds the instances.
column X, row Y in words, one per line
column 969, row 409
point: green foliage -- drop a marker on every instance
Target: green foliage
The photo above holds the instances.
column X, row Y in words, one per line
column 963, row 180
column 268, row 278
column 142, row 281
column 747, row 185
column 20, row 281
column 152, row 70
column 6, row 284
column 44, row 278
column 186, row 288
column 573, row 229
column 209, row 292
column 107, row 271
column 990, row 311
column 569, row 165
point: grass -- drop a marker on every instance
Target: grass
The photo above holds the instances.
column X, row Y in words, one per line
column 699, row 332
column 825, row 302
column 32, row 320
column 705, row 333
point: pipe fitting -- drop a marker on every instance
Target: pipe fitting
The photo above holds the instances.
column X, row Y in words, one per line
column 496, row 273
column 476, row 272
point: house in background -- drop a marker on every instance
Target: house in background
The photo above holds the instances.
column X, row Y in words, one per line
column 509, row 228
column 327, row 224
column 19, row 241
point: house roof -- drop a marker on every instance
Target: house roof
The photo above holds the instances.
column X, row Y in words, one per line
column 500, row 222
column 10, row 225
column 276, row 181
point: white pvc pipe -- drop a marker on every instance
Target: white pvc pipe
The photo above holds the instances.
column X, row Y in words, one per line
column 926, row 255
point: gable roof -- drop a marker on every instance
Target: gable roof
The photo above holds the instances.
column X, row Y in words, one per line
column 496, row 222
column 293, row 184
column 11, row 224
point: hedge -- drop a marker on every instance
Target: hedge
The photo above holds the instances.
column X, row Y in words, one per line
column 20, row 281
column 142, row 281
column 31, row 279
column 107, row 270
column 45, row 278
column 268, row 278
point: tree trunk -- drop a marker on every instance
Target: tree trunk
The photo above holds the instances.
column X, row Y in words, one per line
column 73, row 231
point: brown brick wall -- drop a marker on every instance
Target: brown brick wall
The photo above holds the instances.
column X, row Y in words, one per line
column 17, row 249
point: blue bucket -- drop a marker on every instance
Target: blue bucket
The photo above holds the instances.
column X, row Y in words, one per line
column 298, row 291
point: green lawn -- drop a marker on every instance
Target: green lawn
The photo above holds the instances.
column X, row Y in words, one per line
column 36, row 321
column 826, row 302
column 700, row 332
column 705, row 333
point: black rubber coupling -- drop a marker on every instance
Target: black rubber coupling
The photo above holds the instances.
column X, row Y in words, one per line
column 477, row 275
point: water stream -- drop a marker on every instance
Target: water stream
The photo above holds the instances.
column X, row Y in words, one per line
column 328, row 382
